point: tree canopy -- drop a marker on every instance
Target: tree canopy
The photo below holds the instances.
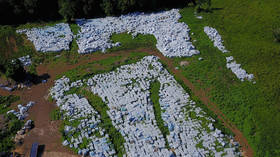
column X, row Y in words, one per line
column 22, row 11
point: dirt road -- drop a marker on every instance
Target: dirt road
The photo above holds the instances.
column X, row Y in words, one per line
column 46, row 132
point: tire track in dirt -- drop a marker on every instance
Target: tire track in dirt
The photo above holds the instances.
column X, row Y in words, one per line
column 46, row 132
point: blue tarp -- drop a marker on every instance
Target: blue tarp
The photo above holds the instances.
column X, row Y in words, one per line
column 34, row 150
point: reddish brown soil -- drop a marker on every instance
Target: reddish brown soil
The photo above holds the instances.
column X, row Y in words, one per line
column 13, row 44
column 46, row 131
column 11, row 47
column 202, row 95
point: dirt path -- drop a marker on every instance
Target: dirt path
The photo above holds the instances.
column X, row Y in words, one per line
column 46, row 131
column 202, row 95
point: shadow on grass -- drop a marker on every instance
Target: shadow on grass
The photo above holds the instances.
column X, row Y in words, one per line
column 35, row 79
column 214, row 9
column 210, row 10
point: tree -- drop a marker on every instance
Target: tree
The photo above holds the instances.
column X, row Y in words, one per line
column 203, row 5
column 91, row 8
column 15, row 70
column 108, row 7
column 191, row 1
column 31, row 6
column 126, row 6
column 67, row 9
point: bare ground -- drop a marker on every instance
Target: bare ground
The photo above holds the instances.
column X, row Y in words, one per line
column 46, row 131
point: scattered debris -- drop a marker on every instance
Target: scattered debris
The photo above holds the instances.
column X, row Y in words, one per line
column 25, row 60
column 22, row 113
column 215, row 36
column 22, row 132
column 231, row 64
column 184, row 63
column 10, row 89
column 44, row 81
column 237, row 70
column 199, row 17
column 28, row 125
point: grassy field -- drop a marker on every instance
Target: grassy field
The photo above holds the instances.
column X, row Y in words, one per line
column 246, row 28
column 128, row 42
column 115, row 136
column 86, row 71
column 12, row 44
column 155, row 86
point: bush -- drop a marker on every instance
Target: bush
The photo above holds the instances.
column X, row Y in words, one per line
column 7, row 134
column 203, row 5
column 15, row 70
column 276, row 34
column 6, row 101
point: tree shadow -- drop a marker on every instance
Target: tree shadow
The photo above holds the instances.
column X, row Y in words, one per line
column 214, row 9
column 37, row 79
column 211, row 10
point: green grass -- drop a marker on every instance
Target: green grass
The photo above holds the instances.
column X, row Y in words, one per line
column 53, row 58
column 115, row 137
column 276, row 33
column 55, row 114
column 208, row 113
column 246, row 27
column 84, row 144
column 6, row 101
column 72, row 90
column 7, row 134
column 38, row 24
column 128, row 42
column 10, row 124
column 200, row 145
column 105, row 65
column 192, row 115
column 154, row 89
column 97, row 103
column 75, row 28
column 218, row 146
column 70, row 56
column 73, row 123
column 12, row 44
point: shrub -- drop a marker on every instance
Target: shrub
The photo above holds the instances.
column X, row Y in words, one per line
column 203, row 5
column 15, row 70
column 276, row 34
column 6, row 101
column 7, row 133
